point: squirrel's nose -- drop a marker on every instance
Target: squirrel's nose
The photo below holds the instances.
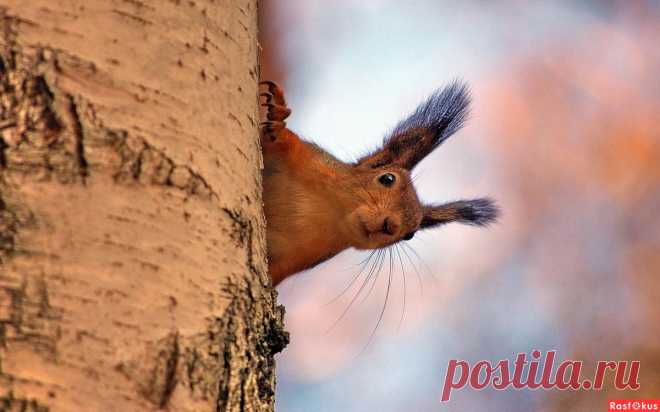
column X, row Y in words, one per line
column 390, row 227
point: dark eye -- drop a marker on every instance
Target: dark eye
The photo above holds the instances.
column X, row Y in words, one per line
column 387, row 179
column 409, row 236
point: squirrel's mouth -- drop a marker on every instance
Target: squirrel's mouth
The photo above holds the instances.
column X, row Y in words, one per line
column 370, row 234
column 370, row 231
column 384, row 229
column 365, row 230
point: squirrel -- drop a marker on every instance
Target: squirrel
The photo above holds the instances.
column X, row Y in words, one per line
column 317, row 206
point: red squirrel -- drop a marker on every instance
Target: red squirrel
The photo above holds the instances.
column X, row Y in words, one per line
column 317, row 206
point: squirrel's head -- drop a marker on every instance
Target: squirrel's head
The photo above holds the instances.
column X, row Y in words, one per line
column 387, row 207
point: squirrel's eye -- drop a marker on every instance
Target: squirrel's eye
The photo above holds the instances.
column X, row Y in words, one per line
column 409, row 236
column 387, row 179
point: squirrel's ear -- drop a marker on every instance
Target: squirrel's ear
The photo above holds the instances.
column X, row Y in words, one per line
column 478, row 212
column 424, row 130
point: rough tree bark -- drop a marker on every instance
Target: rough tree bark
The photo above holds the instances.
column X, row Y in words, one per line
column 132, row 272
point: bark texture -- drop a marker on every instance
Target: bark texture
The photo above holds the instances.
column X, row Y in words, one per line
column 132, row 247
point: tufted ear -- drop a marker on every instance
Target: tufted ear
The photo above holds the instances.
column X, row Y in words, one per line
column 478, row 212
column 424, row 130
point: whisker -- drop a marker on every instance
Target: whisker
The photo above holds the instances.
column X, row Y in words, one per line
column 382, row 311
column 419, row 278
column 367, row 258
column 364, row 264
column 403, row 274
column 428, row 269
column 418, row 173
column 355, row 296
column 375, row 277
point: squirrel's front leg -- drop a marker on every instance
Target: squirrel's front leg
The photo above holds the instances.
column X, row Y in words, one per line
column 278, row 142
column 279, row 147
column 275, row 137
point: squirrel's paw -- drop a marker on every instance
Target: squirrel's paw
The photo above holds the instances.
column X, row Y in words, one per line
column 276, row 110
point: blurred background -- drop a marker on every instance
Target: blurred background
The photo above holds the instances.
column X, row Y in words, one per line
column 564, row 134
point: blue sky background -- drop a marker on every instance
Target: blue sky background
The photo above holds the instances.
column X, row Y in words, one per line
column 547, row 275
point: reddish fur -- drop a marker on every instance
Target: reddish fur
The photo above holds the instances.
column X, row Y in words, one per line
column 316, row 206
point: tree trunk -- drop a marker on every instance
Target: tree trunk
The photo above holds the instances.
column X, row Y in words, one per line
column 132, row 247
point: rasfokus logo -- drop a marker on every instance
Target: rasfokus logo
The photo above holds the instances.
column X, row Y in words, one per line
column 633, row 405
column 537, row 371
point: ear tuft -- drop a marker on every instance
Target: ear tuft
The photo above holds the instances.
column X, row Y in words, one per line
column 433, row 122
column 479, row 212
column 443, row 114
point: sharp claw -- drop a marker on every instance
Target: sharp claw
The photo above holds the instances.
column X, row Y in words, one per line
column 268, row 96
column 269, row 83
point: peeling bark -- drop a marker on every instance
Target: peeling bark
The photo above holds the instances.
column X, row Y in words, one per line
column 132, row 247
